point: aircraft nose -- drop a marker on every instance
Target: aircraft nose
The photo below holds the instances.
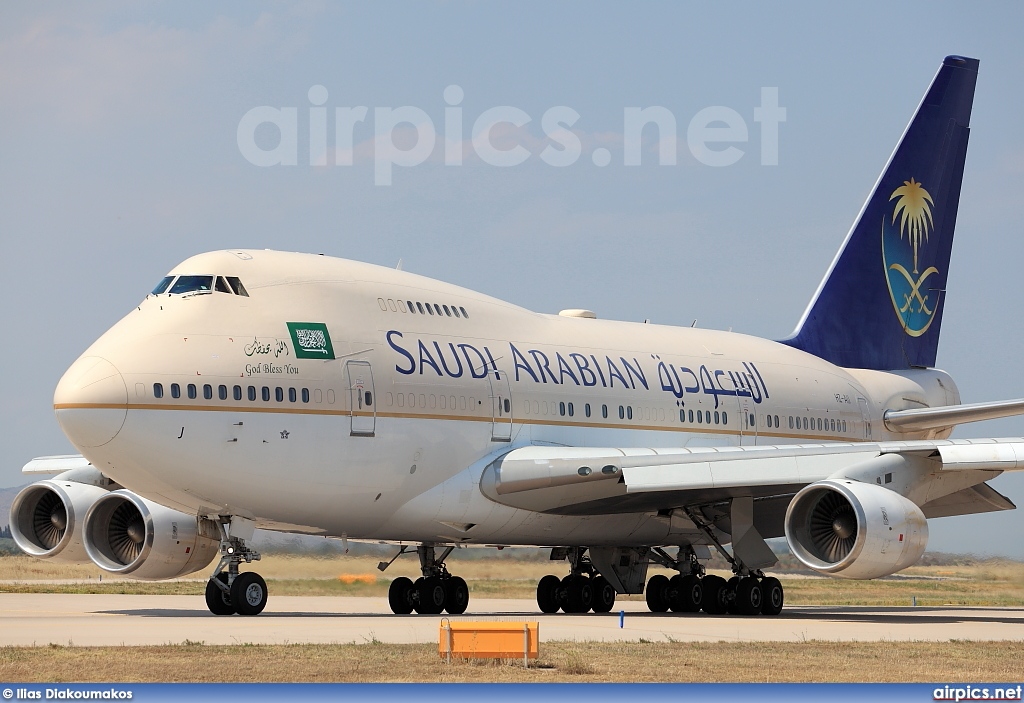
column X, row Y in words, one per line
column 91, row 402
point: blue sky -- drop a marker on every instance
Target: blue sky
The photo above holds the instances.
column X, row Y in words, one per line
column 119, row 158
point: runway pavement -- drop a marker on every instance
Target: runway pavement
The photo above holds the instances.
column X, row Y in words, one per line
column 91, row 620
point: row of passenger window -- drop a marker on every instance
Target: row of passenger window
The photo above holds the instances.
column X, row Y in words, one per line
column 541, row 407
column 705, row 417
column 200, row 284
column 432, row 401
column 828, row 424
column 421, row 308
column 565, row 409
column 698, row 417
column 626, row 412
column 294, row 395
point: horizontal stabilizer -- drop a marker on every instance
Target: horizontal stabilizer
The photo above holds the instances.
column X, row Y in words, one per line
column 919, row 419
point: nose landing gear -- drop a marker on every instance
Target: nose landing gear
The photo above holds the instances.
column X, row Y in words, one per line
column 229, row 592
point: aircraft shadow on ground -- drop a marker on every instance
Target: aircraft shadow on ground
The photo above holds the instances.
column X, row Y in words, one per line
column 849, row 614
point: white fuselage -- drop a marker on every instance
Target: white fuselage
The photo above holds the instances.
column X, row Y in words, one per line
column 388, row 439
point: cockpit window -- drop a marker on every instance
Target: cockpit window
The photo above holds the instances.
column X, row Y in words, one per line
column 237, row 286
column 192, row 284
column 162, row 285
column 184, row 285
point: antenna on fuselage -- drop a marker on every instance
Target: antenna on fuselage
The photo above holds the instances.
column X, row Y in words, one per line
column 694, row 323
column 399, row 267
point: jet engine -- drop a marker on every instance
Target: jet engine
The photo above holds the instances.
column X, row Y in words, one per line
column 47, row 519
column 855, row 530
column 129, row 535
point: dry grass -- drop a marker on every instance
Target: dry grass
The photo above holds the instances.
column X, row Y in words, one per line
column 280, row 566
column 991, row 583
column 560, row 662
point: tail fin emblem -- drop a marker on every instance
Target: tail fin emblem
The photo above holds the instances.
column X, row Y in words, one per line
column 910, row 298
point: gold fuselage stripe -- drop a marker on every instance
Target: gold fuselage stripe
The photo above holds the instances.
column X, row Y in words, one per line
column 692, row 429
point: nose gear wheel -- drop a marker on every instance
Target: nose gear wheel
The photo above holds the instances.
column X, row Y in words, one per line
column 229, row 591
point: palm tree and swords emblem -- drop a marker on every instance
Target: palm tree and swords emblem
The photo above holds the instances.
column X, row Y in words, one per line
column 913, row 209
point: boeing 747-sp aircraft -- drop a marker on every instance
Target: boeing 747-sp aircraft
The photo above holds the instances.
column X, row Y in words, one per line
column 315, row 395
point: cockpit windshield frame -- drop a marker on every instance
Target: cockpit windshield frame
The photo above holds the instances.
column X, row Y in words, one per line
column 199, row 284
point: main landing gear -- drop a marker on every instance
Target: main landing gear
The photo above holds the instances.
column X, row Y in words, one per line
column 684, row 592
column 229, row 592
column 435, row 591
column 748, row 592
column 690, row 590
column 583, row 590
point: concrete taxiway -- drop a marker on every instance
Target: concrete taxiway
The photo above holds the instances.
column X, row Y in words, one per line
column 94, row 620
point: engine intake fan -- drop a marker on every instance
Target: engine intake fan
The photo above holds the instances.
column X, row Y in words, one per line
column 127, row 534
column 855, row 530
column 46, row 519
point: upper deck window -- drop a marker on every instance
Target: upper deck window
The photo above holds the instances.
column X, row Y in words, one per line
column 192, row 284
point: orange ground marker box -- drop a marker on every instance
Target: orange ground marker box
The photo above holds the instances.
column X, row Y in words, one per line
column 489, row 640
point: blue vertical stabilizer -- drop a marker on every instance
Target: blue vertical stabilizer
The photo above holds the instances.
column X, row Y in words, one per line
column 880, row 304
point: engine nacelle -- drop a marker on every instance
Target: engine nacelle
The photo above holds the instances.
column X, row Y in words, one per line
column 855, row 530
column 47, row 519
column 129, row 535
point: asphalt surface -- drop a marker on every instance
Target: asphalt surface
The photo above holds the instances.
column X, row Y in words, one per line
column 94, row 620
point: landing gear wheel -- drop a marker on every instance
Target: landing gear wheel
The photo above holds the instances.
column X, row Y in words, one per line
column 456, row 595
column 712, row 599
column 657, row 593
column 547, row 597
column 581, row 595
column 748, row 596
column 400, row 596
column 562, row 593
column 431, row 601
column 218, row 601
column 604, row 595
column 249, row 593
column 772, row 596
column 730, row 596
column 685, row 592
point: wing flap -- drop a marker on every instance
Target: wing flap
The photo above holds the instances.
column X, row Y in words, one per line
column 976, row 499
column 765, row 470
column 994, row 456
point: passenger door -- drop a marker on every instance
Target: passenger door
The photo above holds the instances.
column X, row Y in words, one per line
column 865, row 413
column 748, row 422
column 501, row 406
column 362, row 401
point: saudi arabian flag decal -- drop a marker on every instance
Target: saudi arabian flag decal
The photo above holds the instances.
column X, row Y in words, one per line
column 311, row 340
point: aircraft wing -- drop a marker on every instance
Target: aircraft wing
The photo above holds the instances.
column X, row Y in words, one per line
column 578, row 480
column 55, row 464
